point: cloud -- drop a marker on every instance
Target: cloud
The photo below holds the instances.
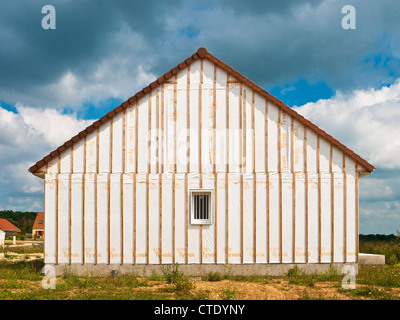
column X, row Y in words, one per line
column 102, row 50
column 26, row 136
column 97, row 51
column 367, row 121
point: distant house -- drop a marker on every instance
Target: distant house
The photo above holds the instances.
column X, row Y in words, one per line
column 7, row 227
column 38, row 225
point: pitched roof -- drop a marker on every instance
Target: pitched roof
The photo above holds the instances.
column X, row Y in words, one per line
column 37, row 224
column 6, row 225
column 201, row 53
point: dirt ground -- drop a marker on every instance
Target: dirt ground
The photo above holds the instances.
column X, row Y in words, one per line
column 274, row 290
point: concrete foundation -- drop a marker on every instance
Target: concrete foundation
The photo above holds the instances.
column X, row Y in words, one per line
column 198, row 270
column 367, row 259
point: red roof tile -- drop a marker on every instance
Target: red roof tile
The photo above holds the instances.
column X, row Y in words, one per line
column 204, row 54
column 39, row 218
column 6, row 225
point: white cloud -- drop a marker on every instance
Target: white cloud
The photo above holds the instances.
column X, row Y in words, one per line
column 25, row 137
column 367, row 121
column 53, row 127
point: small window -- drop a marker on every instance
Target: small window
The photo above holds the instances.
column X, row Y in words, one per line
column 201, row 206
column 41, row 221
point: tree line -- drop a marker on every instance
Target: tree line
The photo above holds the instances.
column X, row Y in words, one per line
column 22, row 220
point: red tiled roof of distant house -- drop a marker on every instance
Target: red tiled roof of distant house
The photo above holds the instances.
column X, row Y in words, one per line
column 6, row 225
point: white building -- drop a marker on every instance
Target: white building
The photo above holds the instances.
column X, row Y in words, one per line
column 201, row 167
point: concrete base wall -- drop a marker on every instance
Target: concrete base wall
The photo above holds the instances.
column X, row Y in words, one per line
column 373, row 260
column 198, row 270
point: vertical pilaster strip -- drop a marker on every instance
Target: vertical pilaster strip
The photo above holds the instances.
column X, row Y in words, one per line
column 306, row 190
column 122, row 216
column 357, row 212
column 345, row 207
column 292, row 142
column 160, row 236
column 162, row 129
column 160, row 156
column 186, row 218
column 280, row 182
column 147, row 218
column 136, row 136
column 158, row 131
column 242, row 116
column 200, row 155
column 175, row 166
column 134, row 217
column 215, row 217
column 44, row 211
column 122, row 182
column 241, row 219
column 148, row 182
column 109, row 189
column 227, row 173
column 95, row 193
column 319, row 200
column 227, row 219
column 227, row 123
column 173, row 216
column 254, row 177
column 214, row 119
column 57, row 204
column 200, row 120
column 175, row 123
column 214, row 163
column 267, row 175
column 108, row 218
column 332, row 204
column 134, row 180
column 70, row 204
column 188, row 121
column 187, row 167
column 83, row 199
column 150, row 137
column 242, row 128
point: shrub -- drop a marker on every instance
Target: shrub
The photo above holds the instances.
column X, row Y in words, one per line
column 178, row 280
column 155, row 276
column 171, row 272
column 228, row 293
column 213, row 276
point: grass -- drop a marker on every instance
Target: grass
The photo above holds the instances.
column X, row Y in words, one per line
column 370, row 293
column 177, row 280
column 391, row 249
column 229, row 293
column 299, row 277
column 22, row 279
column 21, row 249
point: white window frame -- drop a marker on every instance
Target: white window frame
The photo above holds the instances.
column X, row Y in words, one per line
column 195, row 221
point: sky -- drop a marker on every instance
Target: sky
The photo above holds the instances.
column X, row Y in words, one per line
column 55, row 82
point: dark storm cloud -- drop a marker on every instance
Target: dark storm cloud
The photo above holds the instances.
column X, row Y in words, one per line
column 272, row 42
column 85, row 34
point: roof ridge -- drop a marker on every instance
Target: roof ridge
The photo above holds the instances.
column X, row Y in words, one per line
column 200, row 53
